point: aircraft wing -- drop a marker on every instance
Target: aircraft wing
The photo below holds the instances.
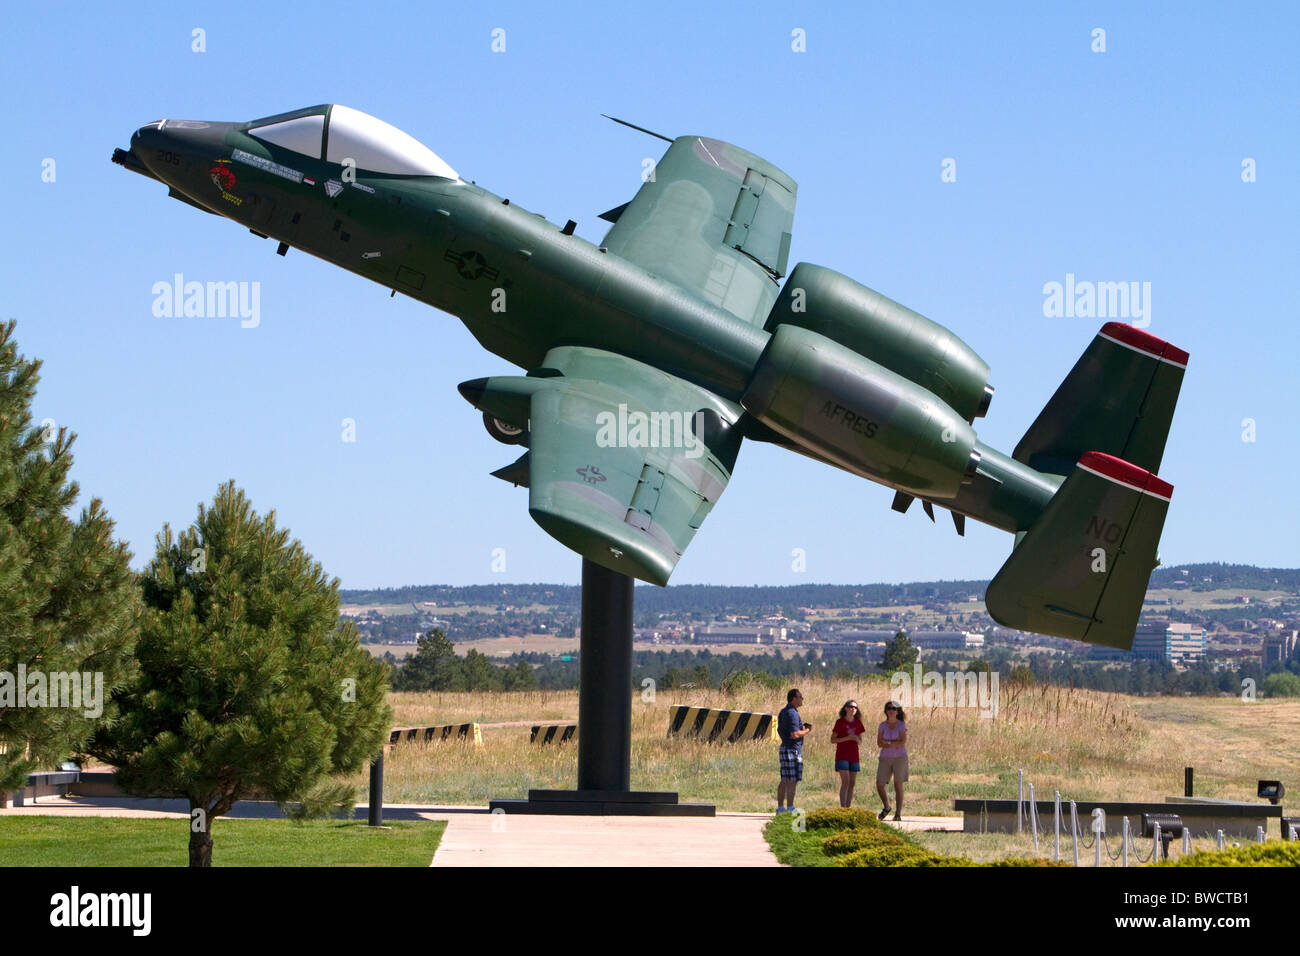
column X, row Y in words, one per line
column 624, row 461
column 714, row 219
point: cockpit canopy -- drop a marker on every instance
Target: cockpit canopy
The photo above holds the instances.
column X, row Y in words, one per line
column 339, row 133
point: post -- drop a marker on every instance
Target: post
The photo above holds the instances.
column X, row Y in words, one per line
column 1098, row 832
column 1020, row 801
column 1219, row 840
column 1033, row 816
column 1126, row 832
column 1187, row 781
column 1056, row 820
column 1187, row 840
column 377, row 791
column 605, row 716
column 1074, row 829
column 605, row 694
column 1155, row 841
column 1259, row 835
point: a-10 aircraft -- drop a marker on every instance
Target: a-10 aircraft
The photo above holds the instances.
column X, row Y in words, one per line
column 651, row 356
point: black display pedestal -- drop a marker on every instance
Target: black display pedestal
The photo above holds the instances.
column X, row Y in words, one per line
column 605, row 715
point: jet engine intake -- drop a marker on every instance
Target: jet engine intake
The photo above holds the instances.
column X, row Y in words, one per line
column 871, row 421
column 906, row 342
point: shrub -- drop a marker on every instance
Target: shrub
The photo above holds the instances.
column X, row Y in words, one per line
column 903, row 854
column 841, row 818
column 1272, row 853
column 948, row 861
column 1284, row 684
column 849, row 841
column 1027, row 861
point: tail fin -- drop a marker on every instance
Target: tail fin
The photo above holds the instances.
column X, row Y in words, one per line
column 1118, row 399
column 1082, row 570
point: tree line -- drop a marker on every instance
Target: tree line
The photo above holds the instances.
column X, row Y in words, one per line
column 436, row 666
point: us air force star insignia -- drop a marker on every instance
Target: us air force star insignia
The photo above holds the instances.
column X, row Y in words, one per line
column 333, row 187
column 470, row 264
column 591, row 474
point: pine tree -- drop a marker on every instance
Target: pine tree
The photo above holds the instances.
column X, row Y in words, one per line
column 249, row 683
column 433, row 666
column 68, row 601
column 900, row 654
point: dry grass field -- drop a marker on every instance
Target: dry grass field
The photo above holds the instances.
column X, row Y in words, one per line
column 1086, row 744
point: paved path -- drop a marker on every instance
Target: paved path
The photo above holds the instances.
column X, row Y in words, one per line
column 485, row 839
column 475, row 837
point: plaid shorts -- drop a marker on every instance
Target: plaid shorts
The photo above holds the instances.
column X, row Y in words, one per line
column 791, row 763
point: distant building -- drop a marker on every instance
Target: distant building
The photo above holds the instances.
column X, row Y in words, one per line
column 853, row 635
column 1099, row 652
column 946, row 640
column 847, row 650
column 739, row 634
column 1165, row 640
column 1280, row 648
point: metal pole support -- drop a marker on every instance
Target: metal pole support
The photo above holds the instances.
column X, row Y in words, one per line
column 377, row 791
column 605, row 694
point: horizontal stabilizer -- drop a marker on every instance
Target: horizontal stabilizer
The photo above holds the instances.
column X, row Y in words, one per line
column 1118, row 399
column 1082, row 570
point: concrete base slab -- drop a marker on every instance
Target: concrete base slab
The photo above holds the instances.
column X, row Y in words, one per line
column 635, row 803
column 507, row 840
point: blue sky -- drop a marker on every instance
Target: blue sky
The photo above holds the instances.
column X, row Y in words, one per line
column 1123, row 165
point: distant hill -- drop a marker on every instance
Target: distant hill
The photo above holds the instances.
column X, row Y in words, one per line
column 1245, row 576
column 712, row 598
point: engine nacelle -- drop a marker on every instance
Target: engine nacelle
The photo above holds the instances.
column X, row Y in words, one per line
column 906, row 342
column 847, row 409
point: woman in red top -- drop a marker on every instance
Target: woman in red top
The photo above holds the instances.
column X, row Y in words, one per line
column 846, row 735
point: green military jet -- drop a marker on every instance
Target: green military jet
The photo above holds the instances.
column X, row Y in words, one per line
column 649, row 357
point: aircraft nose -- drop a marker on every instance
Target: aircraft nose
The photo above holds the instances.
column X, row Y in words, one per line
column 140, row 138
column 175, row 143
column 147, row 142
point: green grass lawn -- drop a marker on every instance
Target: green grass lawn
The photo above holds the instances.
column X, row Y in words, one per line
column 116, row 841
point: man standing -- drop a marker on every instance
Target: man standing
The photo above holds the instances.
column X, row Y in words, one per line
column 792, row 730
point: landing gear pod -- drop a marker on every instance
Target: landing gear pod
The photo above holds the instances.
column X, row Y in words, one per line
column 906, row 342
column 868, row 420
column 503, row 432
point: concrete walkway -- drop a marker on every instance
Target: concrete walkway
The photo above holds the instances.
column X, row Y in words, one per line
column 486, row 839
column 475, row 837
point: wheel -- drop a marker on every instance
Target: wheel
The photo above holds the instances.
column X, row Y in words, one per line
column 505, row 433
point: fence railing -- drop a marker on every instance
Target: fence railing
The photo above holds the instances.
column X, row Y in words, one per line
column 1131, row 846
